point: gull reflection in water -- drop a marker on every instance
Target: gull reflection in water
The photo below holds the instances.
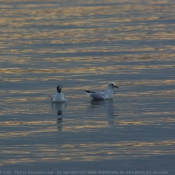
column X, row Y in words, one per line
column 59, row 108
column 104, row 106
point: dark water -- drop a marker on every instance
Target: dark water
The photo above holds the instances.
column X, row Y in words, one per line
column 85, row 45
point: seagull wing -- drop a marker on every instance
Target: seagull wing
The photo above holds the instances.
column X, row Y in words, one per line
column 98, row 95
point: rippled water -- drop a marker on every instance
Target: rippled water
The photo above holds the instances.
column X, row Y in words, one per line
column 84, row 45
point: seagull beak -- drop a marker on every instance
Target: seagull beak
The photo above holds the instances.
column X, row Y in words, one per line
column 116, row 86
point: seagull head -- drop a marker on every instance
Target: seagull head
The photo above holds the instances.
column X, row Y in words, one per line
column 59, row 87
column 112, row 85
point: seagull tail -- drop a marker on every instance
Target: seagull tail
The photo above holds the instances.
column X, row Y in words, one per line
column 88, row 92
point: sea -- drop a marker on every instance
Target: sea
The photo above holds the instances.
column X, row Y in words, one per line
column 84, row 45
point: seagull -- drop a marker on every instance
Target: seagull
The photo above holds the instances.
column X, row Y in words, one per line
column 107, row 95
column 58, row 96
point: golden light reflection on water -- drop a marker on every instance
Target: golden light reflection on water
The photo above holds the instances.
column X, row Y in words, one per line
column 88, row 125
column 86, row 152
column 22, row 28
column 91, row 69
column 21, row 134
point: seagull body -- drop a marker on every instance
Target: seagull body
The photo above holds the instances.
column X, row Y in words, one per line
column 58, row 96
column 107, row 95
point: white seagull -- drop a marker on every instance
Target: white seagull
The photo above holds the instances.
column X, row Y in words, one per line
column 107, row 95
column 58, row 96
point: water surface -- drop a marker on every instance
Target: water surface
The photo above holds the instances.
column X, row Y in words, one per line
column 84, row 45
